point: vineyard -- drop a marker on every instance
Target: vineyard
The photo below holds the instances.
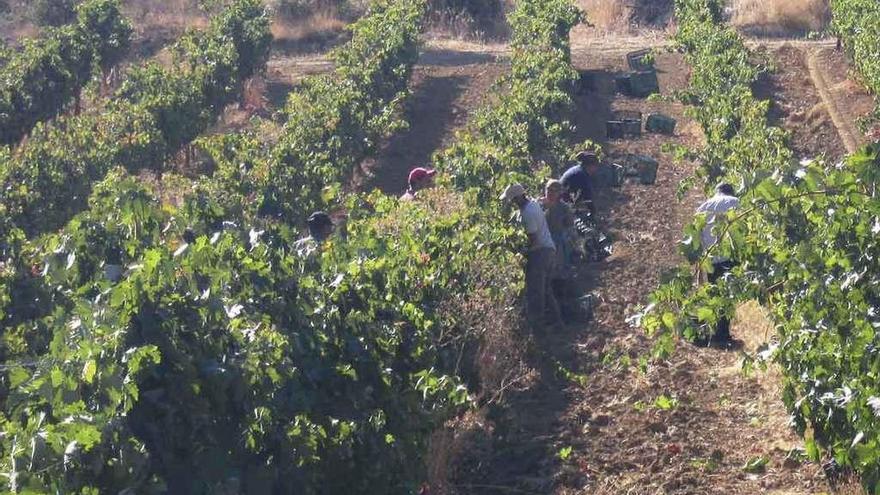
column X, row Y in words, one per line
column 161, row 332
column 50, row 72
column 221, row 361
column 803, row 240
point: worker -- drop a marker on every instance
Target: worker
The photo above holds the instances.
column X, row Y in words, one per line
column 560, row 221
column 419, row 178
column 321, row 227
column 578, row 181
column 723, row 201
column 540, row 260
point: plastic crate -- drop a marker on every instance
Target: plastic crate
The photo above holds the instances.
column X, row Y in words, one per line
column 660, row 124
column 644, row 83
column 639, row 60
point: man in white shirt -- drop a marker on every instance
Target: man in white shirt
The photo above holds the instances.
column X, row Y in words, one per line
column 541, row 258
column 718, row 205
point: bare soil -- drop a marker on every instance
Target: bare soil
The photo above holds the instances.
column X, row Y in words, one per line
column 815, row 97
column 850, row 99
column 445, row 90
column 797, row 106
column 595, row 421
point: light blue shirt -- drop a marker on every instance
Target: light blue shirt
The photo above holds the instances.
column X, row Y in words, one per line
column 717, row 205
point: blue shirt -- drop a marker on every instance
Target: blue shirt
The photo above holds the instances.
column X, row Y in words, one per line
column 578, row 183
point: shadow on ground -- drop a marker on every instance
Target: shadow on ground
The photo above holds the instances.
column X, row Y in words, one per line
column 431, row 112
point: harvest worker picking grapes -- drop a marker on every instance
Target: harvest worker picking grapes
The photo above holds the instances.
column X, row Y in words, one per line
column 578, row 181
column 419, row 178
column 723, row 201
column 320, row 228
column 540, row 260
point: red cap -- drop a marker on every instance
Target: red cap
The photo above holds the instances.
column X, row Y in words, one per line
column 421, row 173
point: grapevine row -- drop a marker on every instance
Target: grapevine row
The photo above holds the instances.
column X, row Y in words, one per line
column 335, row 120
column 805, row 242
column 289, row 374
column 154, row 113
column 179, row 458
column 37, row 82
column 857, row 22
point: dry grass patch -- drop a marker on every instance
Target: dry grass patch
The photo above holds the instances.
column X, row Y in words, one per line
column 781, row 17
column 165, row 14
column 608, row 15
column 323, row 21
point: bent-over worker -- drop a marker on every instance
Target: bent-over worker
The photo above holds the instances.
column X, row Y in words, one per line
column 540, row 260
column 723, row 201
column 578, row 181
column 419, row 178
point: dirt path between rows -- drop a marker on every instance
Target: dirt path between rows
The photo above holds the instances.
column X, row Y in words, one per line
column 446, row 88
column 813, row 97
column 844, row 124
column 599, row 419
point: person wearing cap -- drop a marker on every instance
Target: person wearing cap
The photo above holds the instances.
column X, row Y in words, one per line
column 419, row 178
column 541, row 258
column 320, row 228
column 723, row 201
column 578, row 181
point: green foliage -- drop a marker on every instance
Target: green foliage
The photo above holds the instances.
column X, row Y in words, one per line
column 54, row 12
column 156, row 111
column 564, row 453
column 531, row 122
column 756, row 465
column 335, row 120
column 665, row 403
column 857, row 23
column 223, row 361
column 805, row 240
column 37, row 82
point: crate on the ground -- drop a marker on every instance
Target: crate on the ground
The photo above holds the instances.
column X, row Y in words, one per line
column 660, row 124
column 623, row 84
column 625, row 123
column 644, row 83
column 609, row 175
column 586, row 82
column 644, row 167
column 614, row 129
column 640, row 60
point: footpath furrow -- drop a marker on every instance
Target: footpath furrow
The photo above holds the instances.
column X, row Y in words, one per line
column 845, row 124
column 598, row 418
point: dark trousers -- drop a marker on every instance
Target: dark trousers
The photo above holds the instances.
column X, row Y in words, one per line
column 540, row 266
column 719, row 269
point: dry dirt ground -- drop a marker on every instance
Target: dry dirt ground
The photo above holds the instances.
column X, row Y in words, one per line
column 813, row 98
column 598, row 419
column 608, row 425
column 446, row 88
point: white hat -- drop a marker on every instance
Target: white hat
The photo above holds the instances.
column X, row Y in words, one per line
column 512, row 191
